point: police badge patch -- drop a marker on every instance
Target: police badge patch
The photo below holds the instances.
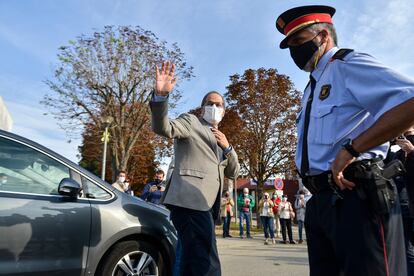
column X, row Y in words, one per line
column 325, row 91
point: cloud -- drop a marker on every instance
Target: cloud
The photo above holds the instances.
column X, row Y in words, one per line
column 22, row 98
column 384, row 29
column 30, row 123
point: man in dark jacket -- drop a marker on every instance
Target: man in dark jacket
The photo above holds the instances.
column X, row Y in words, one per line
column 154, row 190
column 405, row 187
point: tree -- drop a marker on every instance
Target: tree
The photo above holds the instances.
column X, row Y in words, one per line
column 142, row 163
column 260, row 123
column 111, row 73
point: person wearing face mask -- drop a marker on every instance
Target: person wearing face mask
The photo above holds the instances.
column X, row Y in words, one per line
column 266, row 216
column 276, row 201
column 286, row 216
column 119, row 184
column 351, row 107
column 227, row 204
column 154, row 190
column 202, row 158
column 300, row 206
column 245, row 204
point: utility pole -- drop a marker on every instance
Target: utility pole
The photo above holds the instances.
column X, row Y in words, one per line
column 107, row 120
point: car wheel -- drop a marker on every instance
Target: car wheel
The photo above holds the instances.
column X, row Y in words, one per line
column 132, row 258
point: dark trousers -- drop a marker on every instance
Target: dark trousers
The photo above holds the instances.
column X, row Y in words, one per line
column 286, row 223
column 226, row 225
column 198, row 240
column 345, row 238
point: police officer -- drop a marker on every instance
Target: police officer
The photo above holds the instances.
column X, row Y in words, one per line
column 352, row 105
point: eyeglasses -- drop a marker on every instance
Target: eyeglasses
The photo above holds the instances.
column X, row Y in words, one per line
column 215, row 103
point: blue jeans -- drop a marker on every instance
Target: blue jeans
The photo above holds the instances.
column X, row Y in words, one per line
column 243, row 216
column 300, row 228
column 226, row 225
column 268, row 227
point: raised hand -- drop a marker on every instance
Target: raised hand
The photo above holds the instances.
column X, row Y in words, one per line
column 164, row 79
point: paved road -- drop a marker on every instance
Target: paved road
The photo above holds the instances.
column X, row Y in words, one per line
column 246, row 257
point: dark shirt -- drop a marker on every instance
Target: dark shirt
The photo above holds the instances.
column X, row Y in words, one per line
column 152, row 197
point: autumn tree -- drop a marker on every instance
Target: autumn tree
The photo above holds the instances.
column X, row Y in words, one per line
column 111, row 73
column 141, row 165
column 260, row 123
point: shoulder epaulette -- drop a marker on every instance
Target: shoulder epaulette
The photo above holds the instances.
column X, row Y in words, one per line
column 342, row 53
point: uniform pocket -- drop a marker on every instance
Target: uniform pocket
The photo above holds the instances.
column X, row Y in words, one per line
column 190, row 172
column 324, row 126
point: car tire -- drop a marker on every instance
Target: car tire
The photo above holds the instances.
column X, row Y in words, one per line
column 132, row 258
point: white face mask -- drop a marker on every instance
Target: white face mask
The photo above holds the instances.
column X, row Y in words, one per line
column 213, row 114
column 3, row 181
column 121, row 179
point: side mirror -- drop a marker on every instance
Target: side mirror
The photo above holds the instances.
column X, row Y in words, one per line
column 69, row 187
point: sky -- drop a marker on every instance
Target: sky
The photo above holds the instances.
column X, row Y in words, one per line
column 218, row 37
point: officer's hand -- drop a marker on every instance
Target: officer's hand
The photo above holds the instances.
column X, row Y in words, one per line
column 164, row 79
column 221, row 138
column 342, row 160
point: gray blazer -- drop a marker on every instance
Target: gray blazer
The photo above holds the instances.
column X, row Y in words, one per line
column 199, row 167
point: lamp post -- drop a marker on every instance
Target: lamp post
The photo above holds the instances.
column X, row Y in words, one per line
column 106, row 120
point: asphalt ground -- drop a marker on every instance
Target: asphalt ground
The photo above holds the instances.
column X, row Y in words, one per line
column 245, row 257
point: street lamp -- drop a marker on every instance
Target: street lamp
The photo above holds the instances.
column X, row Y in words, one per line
column 106, row 121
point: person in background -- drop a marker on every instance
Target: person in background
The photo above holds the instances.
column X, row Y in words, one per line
column 121, row 184
column 300, row 206
column 266, row 215
column 276, row 201
column 245, row 203
column 405, row 188
column 227, row 204
column 154, row 190
column 286, row 216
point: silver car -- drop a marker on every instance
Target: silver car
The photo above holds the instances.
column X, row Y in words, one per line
column 58, row 219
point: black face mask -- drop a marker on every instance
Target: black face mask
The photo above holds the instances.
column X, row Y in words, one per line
column 158, row 181
column 410, row 138
column 302, row 53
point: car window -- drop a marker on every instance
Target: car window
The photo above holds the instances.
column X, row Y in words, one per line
column 23, row 169
column 91, row 190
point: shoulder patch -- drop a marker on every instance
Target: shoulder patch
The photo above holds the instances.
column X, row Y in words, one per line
column 341, row 54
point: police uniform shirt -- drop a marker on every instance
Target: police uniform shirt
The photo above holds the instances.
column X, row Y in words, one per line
column 350, row 95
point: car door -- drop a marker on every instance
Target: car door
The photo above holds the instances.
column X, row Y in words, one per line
column 41, row 231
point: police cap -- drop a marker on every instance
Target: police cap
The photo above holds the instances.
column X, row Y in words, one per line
column 299, row 18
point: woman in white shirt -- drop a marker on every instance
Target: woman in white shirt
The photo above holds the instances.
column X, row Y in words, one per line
column 286, row 216
column 266, row 216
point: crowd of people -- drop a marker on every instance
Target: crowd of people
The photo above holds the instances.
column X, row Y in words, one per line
column 275, row 212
